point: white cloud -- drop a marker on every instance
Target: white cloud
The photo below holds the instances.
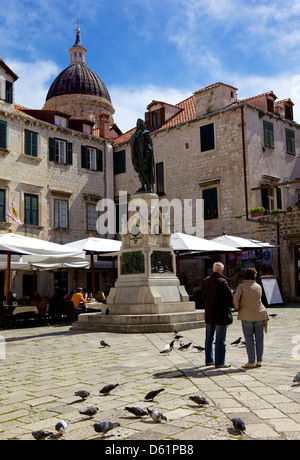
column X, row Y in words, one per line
column 131, row 103
column 34, row 81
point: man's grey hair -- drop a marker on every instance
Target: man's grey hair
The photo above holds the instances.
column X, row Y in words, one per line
column 218, row 267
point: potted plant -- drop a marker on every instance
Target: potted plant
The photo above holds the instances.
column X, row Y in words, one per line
column 289, row 208
column 258, row 211
column 274, row 212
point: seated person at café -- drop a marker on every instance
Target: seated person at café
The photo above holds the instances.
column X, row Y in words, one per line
column 11, row 298
column 100, row 296
column 78, row 300
column 35, row 297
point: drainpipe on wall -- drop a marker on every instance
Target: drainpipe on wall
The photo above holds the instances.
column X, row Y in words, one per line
column 247, row 204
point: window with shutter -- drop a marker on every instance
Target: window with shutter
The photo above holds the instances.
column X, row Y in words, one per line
column 268, row 134
column 207, row 137
column 2, row 206
column 9, row 92
column 160, row 187
column 31, row 143
column 61, row 214
column 91, row 158
column 60, row 151
column 210, row 197
column 31, row 209
column 290, row 142
column 120, row 162
column 3, row 128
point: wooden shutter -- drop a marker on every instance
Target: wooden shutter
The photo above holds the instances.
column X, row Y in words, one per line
column 31, row 209
column 3, row 143
column 69, row 153
column 51, row 149
column 290, row 142
column 83, row 156
column 160, row 187
column 99, row 160
column 31, row 143
column 2, row 205
column 268, row 134
column 279, row 198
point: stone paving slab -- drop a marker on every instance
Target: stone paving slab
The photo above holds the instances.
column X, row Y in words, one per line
column 44, row 366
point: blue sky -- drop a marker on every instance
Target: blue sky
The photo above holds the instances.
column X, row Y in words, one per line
column 155, row 49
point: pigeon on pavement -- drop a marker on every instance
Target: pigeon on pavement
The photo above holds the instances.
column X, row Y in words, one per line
column 198, row 347
column 236, row 342
column 178, row 336
column 137, row 411
column 297, row 378
column 41, row 435
column 104, row 344
column 90, row 411
column 108, row 388
column 239, row 424
column 151, row 395
column 104, row 427
column 167, row 350
column 61, row 427
column 185, row 346
column 199, row 400
column 176, row 331
column 156, row 416
column 82, row 394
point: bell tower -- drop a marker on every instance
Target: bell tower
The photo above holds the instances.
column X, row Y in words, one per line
column 77, row 51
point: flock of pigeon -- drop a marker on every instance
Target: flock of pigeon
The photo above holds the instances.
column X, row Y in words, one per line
column 138, row 412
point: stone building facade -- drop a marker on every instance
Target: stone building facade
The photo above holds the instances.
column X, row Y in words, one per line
column 233, row 154
column 54, row 170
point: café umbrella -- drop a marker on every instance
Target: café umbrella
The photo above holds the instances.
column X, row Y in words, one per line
column 236, row 242
column 35, row 250
column 184, row 242
column 93, row 245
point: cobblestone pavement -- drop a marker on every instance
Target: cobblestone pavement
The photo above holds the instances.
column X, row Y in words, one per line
column 42, row 367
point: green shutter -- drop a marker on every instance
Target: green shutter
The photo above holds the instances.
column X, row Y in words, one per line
column 51, row 149
column 31, row 209
column 120, row 162
column 3, row 142
column 290, row 142
column 268, row 134
column 31, row 143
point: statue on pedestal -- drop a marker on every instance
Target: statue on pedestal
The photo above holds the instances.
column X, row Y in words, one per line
column 142, row 156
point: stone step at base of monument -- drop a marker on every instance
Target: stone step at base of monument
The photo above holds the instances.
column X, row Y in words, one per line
column 139, row 323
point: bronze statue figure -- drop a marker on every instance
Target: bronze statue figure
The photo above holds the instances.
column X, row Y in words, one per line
column 142, row 156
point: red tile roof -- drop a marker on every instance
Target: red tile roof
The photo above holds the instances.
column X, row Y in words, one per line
column 187, row 113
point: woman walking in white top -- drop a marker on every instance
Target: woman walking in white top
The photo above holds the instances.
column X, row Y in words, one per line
column 254, row 317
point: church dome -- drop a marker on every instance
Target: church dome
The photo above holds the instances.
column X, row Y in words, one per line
column 78, row 79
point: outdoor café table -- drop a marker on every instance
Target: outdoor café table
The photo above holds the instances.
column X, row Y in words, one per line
column 22, row 309
column 94, row 306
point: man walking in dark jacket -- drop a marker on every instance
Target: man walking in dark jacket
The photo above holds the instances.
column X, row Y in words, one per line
column 218, row 299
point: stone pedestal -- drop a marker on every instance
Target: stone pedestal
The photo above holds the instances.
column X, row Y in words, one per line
column 147, row 296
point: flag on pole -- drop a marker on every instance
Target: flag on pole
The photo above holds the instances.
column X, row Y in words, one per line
column 13, row 214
